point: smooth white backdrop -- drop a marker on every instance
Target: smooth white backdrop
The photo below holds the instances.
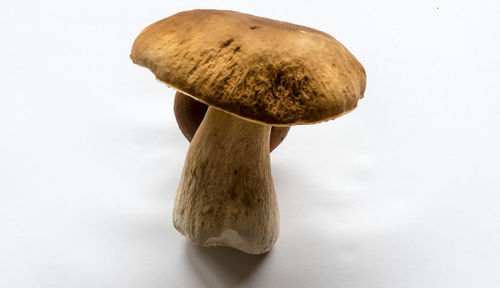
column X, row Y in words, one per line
column 402, row 192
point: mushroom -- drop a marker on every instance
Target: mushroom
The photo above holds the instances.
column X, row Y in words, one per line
column 253, row 73
column 189, row 113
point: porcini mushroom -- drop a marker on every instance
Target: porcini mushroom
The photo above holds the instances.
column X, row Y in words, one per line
column 253, row 73
column 189, row 113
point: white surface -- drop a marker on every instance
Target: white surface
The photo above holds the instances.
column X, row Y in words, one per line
column 403, row 192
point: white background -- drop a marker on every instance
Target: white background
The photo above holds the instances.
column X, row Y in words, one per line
column 402, row 192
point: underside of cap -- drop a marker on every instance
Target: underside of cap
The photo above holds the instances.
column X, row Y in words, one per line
column 267, row 71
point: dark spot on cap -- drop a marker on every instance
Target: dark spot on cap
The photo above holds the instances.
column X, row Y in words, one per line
column 226, row 43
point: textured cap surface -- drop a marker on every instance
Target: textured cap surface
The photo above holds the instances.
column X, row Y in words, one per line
column 265, row 70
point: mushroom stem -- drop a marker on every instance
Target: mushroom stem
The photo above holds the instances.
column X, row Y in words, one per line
column 226, row 194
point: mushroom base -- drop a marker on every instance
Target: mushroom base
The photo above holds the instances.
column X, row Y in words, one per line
column 226, row 194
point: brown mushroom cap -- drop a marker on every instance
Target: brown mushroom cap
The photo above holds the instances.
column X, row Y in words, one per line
column 264, row 70
column 189, row 113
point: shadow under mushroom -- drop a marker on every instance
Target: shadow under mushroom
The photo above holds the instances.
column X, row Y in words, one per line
column 222, row 266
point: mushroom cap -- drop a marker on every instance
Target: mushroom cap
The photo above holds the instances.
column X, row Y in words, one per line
column 267, row 71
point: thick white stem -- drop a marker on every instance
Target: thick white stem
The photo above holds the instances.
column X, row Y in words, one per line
column 226, row 195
